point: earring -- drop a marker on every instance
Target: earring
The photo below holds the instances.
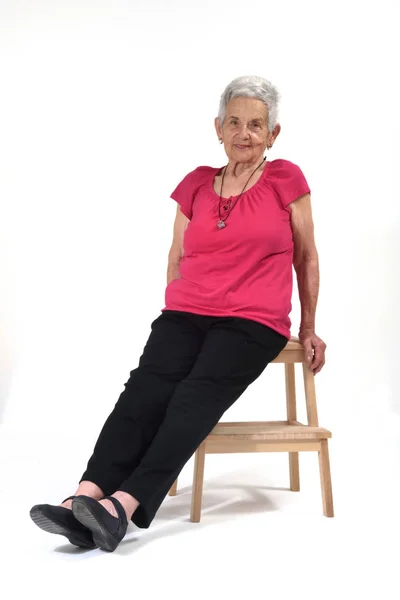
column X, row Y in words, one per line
column 220, row 140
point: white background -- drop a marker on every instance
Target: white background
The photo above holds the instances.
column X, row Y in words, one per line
column 104, row 108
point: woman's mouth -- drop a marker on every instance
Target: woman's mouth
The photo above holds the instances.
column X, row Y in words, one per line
column 241, row 147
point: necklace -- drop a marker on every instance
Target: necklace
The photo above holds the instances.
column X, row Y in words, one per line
column 228, row 206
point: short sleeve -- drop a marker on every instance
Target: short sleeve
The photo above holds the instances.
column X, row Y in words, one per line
column 290, row 182
column 185, row 192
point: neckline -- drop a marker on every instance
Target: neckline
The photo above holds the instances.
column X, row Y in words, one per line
column 218, row 169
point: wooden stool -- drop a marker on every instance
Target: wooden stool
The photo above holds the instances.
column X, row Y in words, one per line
column 272, row 436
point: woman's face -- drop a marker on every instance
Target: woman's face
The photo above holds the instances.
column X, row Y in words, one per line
column 245, row 131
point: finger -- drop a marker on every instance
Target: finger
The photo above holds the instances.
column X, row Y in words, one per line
column 318, row 356
column 315, row 365
column 308, row 350
column 319, row 367
column 318, row 350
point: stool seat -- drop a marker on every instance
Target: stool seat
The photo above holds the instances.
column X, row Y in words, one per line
column 293, row 344
column 293, row 352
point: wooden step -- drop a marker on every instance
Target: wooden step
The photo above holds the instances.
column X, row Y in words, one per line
column 267, row 431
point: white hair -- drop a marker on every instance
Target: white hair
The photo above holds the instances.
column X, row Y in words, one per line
column 252, row 87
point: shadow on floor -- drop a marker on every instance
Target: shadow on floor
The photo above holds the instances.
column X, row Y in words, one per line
column 221, row 502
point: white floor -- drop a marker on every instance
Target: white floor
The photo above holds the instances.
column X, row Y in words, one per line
column 255, row 538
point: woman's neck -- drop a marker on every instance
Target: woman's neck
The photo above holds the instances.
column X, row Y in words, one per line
column 237, row 170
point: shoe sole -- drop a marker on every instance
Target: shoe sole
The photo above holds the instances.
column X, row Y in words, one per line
column 101, row 537
column 45, row 523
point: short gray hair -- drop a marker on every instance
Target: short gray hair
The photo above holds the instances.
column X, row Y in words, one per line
column 252, row 87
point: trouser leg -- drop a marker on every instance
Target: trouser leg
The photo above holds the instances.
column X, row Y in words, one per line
column 234, row 354
column 168, row 357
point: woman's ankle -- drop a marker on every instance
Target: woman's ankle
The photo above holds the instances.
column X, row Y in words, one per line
column 67, row 504
column 129, row 503
column 85, row 488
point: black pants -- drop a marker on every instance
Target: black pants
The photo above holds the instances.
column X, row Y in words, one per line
column 192, row 370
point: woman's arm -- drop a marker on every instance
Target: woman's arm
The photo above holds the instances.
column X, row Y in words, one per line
column 176, row 251
column 305, row 260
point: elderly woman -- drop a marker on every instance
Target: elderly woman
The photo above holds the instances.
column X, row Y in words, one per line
column 238, row 231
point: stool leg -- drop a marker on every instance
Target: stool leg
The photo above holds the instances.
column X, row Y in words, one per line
column 311, row 401
column 326, row 484
column 198, row 477
column 294, row 471
column 174, row 487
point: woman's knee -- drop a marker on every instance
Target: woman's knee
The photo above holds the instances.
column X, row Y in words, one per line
column 203, row 398
column 144, row 395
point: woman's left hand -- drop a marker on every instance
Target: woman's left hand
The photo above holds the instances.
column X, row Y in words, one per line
column 314, row 349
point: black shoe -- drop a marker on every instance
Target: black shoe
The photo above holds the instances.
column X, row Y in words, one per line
column 107, row 530
column 60, row 520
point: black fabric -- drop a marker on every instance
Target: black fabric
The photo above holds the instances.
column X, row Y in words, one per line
column 192, row 370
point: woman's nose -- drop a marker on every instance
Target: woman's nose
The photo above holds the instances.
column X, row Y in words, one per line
column 244, row 132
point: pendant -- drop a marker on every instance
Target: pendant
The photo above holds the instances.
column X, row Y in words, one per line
column 221, row 225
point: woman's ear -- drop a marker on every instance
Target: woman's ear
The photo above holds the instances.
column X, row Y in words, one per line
column 276, row 131
column 218, row 127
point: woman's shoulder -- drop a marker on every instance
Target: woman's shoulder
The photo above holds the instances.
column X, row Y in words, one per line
column 282, row 169
column 196, row 179
column 200, row 174
column 282, row 164
column 287, row 179
column 204, row 170
column 207, row 169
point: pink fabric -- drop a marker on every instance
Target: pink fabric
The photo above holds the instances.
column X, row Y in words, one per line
column 244, row 270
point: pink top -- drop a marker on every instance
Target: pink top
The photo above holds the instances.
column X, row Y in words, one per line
column 245, row 269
